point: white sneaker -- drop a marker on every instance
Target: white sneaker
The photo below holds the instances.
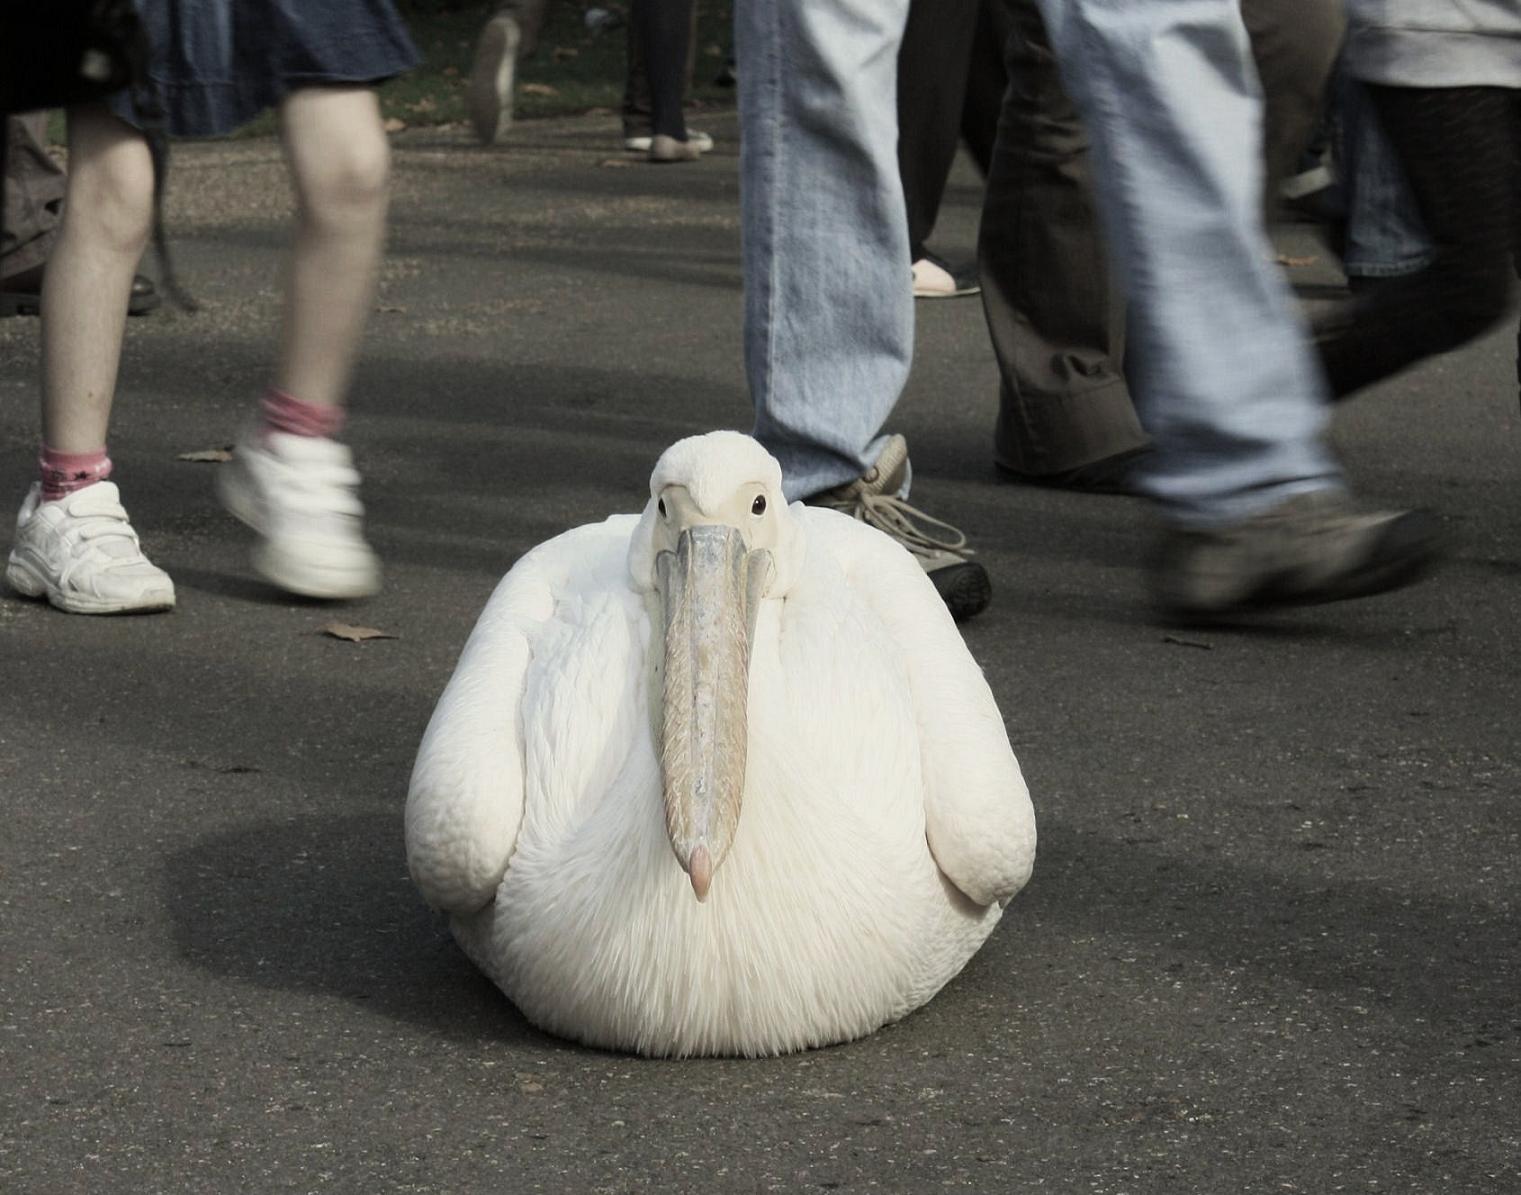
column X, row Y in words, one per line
column 641, row 145
column 83, row 556
column 298, row 494
column 934, row 278
column 493, row 78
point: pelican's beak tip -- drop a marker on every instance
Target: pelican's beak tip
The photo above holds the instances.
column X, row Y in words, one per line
column 700, row 871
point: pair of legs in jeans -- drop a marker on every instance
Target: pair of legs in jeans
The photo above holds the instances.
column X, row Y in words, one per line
column 1221, row 369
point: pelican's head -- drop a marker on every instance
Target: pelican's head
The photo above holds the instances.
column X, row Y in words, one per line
column 715, row 541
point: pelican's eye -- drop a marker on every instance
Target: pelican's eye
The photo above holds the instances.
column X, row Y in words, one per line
column 660, row 506
column 758, row 507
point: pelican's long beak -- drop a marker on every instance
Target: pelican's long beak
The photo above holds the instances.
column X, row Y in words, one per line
column 711, row 585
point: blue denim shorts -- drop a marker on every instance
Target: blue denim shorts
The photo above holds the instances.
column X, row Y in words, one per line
column 219, row 63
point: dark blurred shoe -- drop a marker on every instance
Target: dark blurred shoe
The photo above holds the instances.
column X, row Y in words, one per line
column 940, row 549
column 936, row 278
column 493, row 74
column 1111, row 475
column 1309, row 549
column 21, row 294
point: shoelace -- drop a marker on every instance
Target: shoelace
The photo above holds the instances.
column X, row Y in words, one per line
column 909, row 525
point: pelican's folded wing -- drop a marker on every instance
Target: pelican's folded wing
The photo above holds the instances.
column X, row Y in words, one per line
column 977, row 811
column 465, row 801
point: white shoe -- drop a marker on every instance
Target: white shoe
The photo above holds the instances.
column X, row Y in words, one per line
column 299, row 494
column 641, row 145
column 934, row 279
column 489, row 95
column 83, row 556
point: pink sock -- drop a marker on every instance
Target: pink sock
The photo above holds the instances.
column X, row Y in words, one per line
column 63, row 473
column 282, row 412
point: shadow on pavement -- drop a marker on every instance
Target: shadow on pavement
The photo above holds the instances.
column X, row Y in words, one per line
column 324, row 905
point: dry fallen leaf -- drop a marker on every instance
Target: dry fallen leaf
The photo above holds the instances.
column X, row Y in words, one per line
column 538, row 89
column 342, row 630
column 395, row 126
column 210, row 456
column 1293, row 262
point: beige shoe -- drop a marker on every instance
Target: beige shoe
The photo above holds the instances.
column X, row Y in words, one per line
column 940, row 548
column 668, row 149
column 640, row 144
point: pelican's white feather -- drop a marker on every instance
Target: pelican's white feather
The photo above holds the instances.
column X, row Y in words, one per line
column 884, row 823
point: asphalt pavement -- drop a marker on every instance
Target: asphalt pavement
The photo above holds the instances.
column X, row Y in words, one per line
column 1271, row 943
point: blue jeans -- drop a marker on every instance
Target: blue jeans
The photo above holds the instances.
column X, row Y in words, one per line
column 1219, row 364
column 829, row 309
column 1385, row 236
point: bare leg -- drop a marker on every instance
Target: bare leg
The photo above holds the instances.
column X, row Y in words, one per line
column 107, row 215
column 339, row 162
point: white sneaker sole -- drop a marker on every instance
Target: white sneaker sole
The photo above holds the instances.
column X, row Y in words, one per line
column 492, row 76
column 27, row 580
column 295, row 572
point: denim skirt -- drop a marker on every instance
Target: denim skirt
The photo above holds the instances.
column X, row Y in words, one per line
column 219, row 63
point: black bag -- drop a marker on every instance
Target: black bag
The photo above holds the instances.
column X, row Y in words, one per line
column 54, row 53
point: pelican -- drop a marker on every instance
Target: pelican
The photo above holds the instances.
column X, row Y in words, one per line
column 720, row 778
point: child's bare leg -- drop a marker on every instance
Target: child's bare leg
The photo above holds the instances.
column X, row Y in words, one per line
column 108, row 212
column 340, row 163
column 292, row 481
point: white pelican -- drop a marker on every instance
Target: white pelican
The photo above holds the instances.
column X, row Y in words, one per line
column 647, row 851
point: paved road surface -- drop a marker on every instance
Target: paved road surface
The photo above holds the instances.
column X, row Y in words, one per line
column 1271, row 945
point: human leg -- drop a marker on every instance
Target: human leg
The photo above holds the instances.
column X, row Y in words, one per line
column 107, row 216
column 1224, row 378
column 636, row 84
column 74, row 544
column 666, row 31
column 511, row 35
column 1294, row 45
column 829, row 323
column 933, row 61
column 1458, row 149
column 290, row 479
column 33, row 196
column 1056, row 327
column 340, row 163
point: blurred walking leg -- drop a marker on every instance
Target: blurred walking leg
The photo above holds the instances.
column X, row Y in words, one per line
column 1218, row 362
column 1458, row 149
column 291, row 480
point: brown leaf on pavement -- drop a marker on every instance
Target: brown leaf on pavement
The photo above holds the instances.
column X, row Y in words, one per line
column 538, row 89
column 342, row 630
column 394, row 125
column 1294, row 262
column 209, row 456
